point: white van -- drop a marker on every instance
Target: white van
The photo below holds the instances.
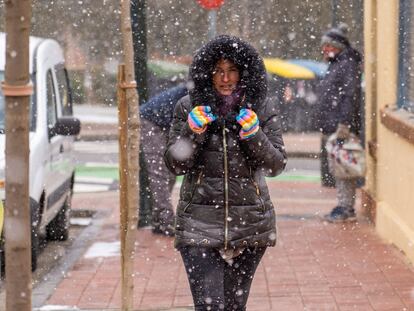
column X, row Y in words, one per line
column 52, row 133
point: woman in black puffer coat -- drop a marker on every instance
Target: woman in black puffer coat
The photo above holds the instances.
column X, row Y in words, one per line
column 225, row 139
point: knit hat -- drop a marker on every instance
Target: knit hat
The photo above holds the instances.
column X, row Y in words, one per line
column 337, row 37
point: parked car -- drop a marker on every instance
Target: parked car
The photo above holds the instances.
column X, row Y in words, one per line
column 52, row 133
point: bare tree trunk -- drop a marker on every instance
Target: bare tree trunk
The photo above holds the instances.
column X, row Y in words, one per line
column 123, row 154
column 17, row 92
column 128, row 244
column 123, row 172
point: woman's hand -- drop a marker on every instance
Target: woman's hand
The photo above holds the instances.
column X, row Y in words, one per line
column 199, row 118
column 249, row 122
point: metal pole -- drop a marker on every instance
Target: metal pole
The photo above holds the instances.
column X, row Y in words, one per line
column 139, row 38
column 212, row 26
column 334, row 12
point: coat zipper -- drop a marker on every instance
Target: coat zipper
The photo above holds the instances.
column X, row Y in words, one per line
column 193, row 191
column 226, row 190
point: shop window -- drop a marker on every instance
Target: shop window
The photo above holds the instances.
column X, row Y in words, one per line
column 406, row 56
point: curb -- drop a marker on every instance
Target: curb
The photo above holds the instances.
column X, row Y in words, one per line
column 91, row 131
column 302, row 154
column 44, row 290
column 98, row 131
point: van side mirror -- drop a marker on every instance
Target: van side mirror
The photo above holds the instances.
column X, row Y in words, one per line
column 67, row 126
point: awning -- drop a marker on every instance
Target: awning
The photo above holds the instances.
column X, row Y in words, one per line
column 318, row 68
column 166, row 69
column 287, row 70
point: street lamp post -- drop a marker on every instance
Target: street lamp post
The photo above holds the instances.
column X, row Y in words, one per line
column 334, row 12
column 212, row 26
column 212, row 6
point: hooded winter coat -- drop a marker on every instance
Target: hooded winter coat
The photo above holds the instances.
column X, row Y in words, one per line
column 339, row 92
column 224, row 200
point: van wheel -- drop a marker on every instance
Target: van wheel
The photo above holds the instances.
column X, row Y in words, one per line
column 34, row 254
column 35, row 248
column 34, row 230
column 2, row 257
column 34, row 233
column 58, row 228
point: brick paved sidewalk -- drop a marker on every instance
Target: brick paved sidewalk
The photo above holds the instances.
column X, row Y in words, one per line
column 315, row 266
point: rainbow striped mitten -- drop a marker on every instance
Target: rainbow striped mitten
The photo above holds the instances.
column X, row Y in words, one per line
column 199, row 118
column 249, row 122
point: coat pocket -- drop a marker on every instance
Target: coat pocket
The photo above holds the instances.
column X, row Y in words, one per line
column 196, row 185
column 258, row 193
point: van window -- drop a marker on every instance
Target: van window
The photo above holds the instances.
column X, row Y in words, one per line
column 64, row 91
column 3, row 109
column 51, row 102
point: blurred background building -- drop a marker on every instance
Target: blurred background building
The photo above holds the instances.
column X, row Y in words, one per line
column 89, row 30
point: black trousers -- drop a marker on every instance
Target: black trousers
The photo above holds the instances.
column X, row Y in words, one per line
column 327, row 179
column 217, row 285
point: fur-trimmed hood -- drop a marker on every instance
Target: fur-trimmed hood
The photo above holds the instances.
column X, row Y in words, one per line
column 247, row 59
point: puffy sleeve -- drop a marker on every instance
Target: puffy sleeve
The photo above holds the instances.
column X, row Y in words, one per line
column 183, row 144
column 349, row 89
column 266, row 150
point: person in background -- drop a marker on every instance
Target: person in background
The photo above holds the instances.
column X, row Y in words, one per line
column 339, row 95
column 156, row 119
column 225, row 139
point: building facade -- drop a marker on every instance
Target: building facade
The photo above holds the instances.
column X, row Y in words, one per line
column 388, row 196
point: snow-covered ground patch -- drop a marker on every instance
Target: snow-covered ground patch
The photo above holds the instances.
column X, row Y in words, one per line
column 80, row 221
column 56, row 308
column 103, row 249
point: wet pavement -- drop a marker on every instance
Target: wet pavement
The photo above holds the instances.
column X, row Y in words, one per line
column 315, row 266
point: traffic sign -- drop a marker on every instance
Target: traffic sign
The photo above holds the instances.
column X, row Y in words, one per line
column 210, row 4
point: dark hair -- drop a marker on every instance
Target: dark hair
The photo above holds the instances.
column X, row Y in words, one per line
column 242, row 54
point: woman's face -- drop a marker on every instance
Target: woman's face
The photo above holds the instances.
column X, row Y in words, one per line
column 329, row 51
column 225, row 77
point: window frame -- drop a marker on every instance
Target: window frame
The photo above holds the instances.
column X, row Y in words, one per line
column 62, row 76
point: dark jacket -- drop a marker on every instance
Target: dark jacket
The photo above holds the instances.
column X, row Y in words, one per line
column 339, row 93
column 160, row 108
column 224, row 199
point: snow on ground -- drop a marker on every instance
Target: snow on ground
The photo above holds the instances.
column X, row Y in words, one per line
column 103, row 249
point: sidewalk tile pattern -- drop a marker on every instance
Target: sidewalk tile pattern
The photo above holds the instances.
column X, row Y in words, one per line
column 315, row 266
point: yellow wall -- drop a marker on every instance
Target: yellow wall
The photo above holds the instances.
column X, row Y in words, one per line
column 391, row 177
column 370, row 58
column 395, row 212
column 387, row 54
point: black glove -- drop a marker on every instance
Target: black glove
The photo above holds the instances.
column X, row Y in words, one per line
column 342, row 131
column 231, row 122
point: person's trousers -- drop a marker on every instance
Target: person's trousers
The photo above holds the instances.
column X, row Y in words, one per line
column 214, row 283
column 346, row 192
column 160, row 179
column 327, row 179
